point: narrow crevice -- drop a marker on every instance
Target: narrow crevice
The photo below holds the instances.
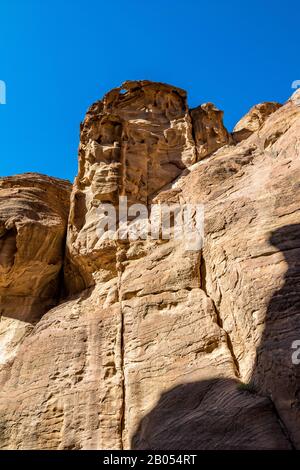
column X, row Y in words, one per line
column 121, row 354
column 228, row 340
column 193, row 135
column 123, row 164
column 8, row 248
column 203, row 274
column 282, row 425
column 62, row 292
column 122, row 192
column 122, row 423
column 148, row 163
column 203, row 286
column 234, row 358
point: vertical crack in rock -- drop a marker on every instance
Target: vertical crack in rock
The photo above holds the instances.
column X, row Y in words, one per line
column 121, row 346
column 122, row 186
column 123, row 410
column 218, row 316
column 147, row 177
column 61, row 295
column 193, row 133
column 123, row 423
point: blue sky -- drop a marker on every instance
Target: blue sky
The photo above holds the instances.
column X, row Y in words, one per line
column 58, row 57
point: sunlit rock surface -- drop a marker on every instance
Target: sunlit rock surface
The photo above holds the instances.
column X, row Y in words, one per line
column 153, row 346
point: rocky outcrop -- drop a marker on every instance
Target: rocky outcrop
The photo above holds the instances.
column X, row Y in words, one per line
column 253, row 120
column 33, row 217
column 209, row 131
column 133, row 142
column 33, row 221
column 157, row 346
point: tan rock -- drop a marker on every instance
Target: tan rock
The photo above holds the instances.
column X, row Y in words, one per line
column 33, row 217
column 133, row 142
column 254, row 120
column 164, row 348
column 64, row 390
column 209, row 130
column 250, row 257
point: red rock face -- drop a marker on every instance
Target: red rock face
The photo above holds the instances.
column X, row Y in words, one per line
column 158, row 347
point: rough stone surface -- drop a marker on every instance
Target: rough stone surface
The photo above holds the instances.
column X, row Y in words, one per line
column 158, row 347
column 251, row 254
column 33, row 218
column 254, row 120
column 209, row 131
column 133, row 142
column 63, row 390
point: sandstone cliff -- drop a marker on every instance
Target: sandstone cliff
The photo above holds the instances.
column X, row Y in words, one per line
column 148, row 345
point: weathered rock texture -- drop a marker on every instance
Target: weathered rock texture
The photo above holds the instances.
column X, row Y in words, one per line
column 209, row 131
column 253, row 120
column 158, row 347
column 133, row 143
column 33, row 218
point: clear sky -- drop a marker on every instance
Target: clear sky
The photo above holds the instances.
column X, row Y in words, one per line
column 58, row 56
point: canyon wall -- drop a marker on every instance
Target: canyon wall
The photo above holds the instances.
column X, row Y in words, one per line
column 145, row 344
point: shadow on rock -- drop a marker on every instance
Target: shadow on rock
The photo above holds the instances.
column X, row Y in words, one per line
column 225, row 414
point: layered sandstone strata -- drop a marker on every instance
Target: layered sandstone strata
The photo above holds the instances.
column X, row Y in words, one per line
column 157, row 346
column 33, row 218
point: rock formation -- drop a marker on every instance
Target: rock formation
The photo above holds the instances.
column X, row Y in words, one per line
column 253, row 120
column 33, row 220
column 209, row 130
column 150, row 345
